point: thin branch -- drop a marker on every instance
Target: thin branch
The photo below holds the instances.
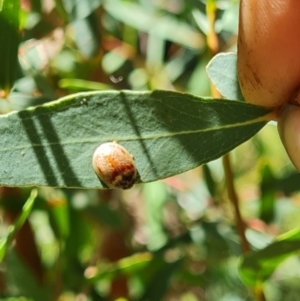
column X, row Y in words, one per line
column 235, row 203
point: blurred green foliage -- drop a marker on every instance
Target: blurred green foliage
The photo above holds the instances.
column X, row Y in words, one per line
column 168, row 240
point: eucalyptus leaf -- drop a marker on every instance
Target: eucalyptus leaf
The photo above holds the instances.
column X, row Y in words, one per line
column 166, row 132
column 222, row 71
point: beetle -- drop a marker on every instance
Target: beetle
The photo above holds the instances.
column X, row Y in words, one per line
column 114, row 165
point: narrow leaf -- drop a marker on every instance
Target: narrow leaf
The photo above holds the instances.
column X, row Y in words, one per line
column 211, row 183
column 9, row 42
column 267, row 197
column 82, row 85
column 222, row 71
column 164, row 26
column 166, row 132
column 18, row 223
column 78, row 9
column 256, row 267
column 131, row 265
column 86, row 35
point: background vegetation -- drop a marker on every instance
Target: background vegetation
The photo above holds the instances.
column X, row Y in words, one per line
column 208, row 234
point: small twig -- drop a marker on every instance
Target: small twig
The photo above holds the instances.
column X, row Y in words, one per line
column 235, row 203
column 213, row 46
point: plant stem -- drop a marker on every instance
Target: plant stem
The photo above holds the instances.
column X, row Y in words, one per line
column 212, row 38
column 235, row 202
column 233, row 197
column 213, row 46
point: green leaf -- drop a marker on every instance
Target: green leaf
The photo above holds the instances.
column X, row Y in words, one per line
column 229, row 21
column 86, row 35
column 78, row 9
column 18, row 223
column 16, row 299
column 267, row 198
column 104, row 214
column 82, row 85
column 222, row 71
column 59, row 214
column 160, row 281
column 36, row 6
column 80, row 235
column 9, row 41
column 210, row 182
column 289, row 183
column 131, row 265
column 155, row 195
column 22, row 281
column 163, row 26
column 199, row 83
column 256, row 267
column 166, row 132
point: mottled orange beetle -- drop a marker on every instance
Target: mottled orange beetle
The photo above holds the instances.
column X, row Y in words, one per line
column 114, row 165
